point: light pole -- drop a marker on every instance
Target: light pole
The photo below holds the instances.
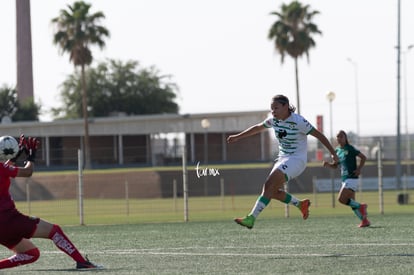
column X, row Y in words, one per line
column 398, row 157
column 331, row 96
column 205, row 124
column 355, row 65
column 407, row 136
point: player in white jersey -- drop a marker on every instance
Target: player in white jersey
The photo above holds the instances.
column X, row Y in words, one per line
column 291, row 130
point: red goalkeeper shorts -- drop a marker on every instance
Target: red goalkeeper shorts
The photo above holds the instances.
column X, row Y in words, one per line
column 14, row 226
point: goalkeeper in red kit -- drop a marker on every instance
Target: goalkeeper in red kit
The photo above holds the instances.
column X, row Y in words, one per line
column 16, row 229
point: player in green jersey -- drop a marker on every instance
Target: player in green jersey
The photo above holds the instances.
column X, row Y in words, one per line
column 350, row 171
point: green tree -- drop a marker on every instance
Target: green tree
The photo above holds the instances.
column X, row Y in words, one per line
column 8, row 101
column 76, row 31
column 293, row 34
column 27, row 110
column 12, row 108
column 116, row 87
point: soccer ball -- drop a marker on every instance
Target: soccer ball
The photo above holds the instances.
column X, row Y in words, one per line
column 9, row 147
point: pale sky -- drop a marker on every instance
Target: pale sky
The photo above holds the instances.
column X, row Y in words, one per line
column 218, row 53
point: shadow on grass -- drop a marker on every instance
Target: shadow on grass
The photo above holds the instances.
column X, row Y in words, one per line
column 104, row 270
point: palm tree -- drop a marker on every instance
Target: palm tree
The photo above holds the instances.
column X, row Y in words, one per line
column 76, row 31
column 292, row 34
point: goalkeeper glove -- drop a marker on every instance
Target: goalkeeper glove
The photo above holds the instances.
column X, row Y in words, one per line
column 31, row 146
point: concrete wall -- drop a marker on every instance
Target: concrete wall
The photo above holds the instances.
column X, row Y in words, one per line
column 158, row 184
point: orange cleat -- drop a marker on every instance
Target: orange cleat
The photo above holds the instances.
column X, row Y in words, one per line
column 304, row 208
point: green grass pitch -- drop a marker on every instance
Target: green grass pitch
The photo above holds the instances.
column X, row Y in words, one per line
column 329, row 242
column 320, row 245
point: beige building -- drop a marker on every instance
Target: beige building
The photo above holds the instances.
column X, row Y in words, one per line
column 148, row 140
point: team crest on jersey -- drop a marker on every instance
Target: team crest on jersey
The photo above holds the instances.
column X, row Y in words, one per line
column 292, row 125
column 282, row 133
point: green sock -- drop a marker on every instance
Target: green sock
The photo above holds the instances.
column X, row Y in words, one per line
column 357, row 213
column 264, row 200
column 355, row 207
column 291, row 199
column 261, row 203
column 288, row 198
column 353, row 204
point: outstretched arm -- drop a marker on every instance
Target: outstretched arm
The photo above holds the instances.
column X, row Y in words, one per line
column 321, row 137
column 24, row 171
column 246, row 133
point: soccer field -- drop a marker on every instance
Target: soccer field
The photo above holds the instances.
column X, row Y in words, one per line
column 319, row 245
column 208, row 208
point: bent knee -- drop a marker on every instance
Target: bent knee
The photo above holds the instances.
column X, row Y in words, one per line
column 33, row 255
column 343, row 200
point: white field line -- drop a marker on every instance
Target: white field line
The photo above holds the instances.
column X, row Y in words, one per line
column 220, row 251
column 249, row 255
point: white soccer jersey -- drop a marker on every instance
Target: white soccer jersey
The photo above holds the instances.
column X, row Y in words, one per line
column 291, row 134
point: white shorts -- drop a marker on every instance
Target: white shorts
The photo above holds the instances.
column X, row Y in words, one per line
column 350, row 184
column 291, row 167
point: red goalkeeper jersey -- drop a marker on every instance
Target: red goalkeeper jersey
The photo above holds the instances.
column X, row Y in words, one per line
column 6, row 172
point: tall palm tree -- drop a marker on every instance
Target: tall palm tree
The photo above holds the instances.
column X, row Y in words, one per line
column 76, row 31
column 292, row 34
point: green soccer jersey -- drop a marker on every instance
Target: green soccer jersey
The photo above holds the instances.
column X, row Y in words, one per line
column 347, row 160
